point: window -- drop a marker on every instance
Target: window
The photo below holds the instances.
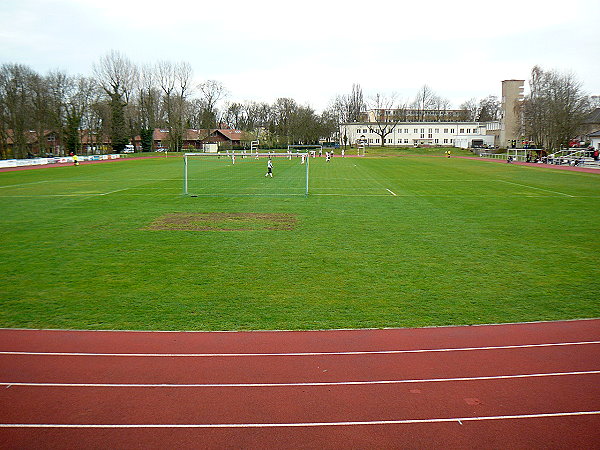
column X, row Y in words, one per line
column 437, row 141
column 416, row 130
column 451, row 141
column 422, row 135
column 445, row 130
column 462, row 131
column 406, row 130
column 399, row 141
column 422, row 130
column 430, row 130
column 389, row 141
column 445, row 141
column 399, row 130
column 377, row 141
column 406, row 141
column 468, row 131
column 437, row 130
column 50, row 138
column 429, row 135
column 452, row 131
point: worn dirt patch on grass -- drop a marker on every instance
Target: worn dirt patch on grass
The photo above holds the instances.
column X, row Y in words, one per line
column 224, row 222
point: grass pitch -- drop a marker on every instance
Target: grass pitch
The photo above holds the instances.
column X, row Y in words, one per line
column 390, row 241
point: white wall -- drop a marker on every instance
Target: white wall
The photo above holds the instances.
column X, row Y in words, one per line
column 411, row 133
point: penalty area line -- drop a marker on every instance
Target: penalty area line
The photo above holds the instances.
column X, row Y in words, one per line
column 391, row 192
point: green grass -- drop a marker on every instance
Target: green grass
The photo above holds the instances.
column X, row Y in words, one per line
column 460, row 242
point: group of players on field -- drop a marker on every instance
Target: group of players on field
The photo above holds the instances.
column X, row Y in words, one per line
column 328, row 156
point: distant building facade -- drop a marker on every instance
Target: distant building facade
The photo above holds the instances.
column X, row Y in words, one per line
column 439, row 127
column 410, row 134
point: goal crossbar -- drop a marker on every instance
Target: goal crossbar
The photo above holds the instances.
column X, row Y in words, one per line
column 316, row 146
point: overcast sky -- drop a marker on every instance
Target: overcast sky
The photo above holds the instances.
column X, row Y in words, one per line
column 313, row 50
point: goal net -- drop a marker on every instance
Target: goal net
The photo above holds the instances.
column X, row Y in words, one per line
column 242, row 173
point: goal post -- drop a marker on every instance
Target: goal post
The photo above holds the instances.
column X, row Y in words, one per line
column 245, row 173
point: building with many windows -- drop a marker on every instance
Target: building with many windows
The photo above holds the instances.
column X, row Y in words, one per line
column 405, row 127
column 409, row 134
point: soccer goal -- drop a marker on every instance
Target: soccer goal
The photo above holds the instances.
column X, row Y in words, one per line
column 310, row 149
column 240, row 173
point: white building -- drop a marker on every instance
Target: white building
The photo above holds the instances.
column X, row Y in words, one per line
column 595, row 139
column 408, row 134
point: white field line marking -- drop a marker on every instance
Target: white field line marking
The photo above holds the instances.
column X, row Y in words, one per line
column 390, row 192
column 316, row 383
column 112, row 192
column 366, row 352
column 539, row 189
column 23, row 184
column 300, row 424
column 89, row 194
column 518, row 196
column 81, row 195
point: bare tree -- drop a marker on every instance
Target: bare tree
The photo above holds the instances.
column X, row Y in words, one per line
column 348, row 108
column 555, row 108
column 80, row 93
column 387, row 115
column 117, row 76
column 470, row 110
column 148, row 106
column 489, row 109
column 212, row 92
column 423, row 101
column 439, row 105
column 15, row 108
column 174, row 81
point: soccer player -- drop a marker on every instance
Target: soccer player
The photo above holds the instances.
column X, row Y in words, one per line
column 269, row 168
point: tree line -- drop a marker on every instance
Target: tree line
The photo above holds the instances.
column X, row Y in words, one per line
column 122, row 100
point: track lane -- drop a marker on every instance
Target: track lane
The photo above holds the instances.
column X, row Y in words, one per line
column 292, row 405
column 565, row 432
column 290, row 369
column 298, row 341
column 479, row 398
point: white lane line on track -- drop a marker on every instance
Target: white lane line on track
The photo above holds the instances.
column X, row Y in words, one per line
column 366, row 352
column 316, row 383
column 301, row 424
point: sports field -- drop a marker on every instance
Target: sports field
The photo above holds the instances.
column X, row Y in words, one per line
column 379, row 242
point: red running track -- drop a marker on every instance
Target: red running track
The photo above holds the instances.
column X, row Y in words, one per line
column 530, row 385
